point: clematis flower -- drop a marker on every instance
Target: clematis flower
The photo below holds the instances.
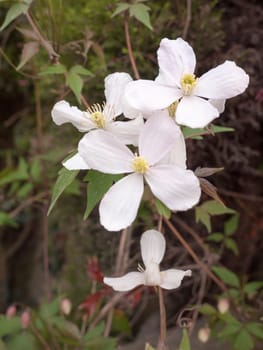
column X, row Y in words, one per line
column 181, row 92
column 177, row 188
column 101, row 116
column 152, row 250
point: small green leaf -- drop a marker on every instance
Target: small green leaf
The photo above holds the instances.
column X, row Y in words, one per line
column 252, row 287
column 80, row 70
column 185, row 342
column 141, row 13
column 226, row 276
column 35, row 170
column 231, row 245
column 215, row 237
column 218, row 129
column 120, row 323
column 121, row 7
column 75, row 82
column 21, row 173
column 14, row 11
column 9, row 326
column 204, row 217
column 162, row 209
column 55, row 69
column 51, row 309
column 195, row 133
column 95, row 332
column 24, row 190
column 98, row 185
column 6, row 220
column 22, row 341
column 64, row 179
column 243, row 341
column 231, row 225
column 215, row 208
column 229, row 330
column 207, row 309
column 256, row 329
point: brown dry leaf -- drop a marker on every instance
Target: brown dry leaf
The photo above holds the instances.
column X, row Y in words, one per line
column 210, row 190
column 204, row 172
column 28, row 34
column 30, row 49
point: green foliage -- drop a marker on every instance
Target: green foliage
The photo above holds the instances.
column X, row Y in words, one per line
column 6, row 220
column 14, row 11
column 162, row 209
column 185, row 342
column 227, row 276
column 198, row 133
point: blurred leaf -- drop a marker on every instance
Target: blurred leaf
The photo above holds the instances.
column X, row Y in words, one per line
column 256, row 329
column 56, row 69
column 9, row 326
column 230, row 226
column 214, row 129
column 243, row 341
column 20, row 173
column 207, row 309
column 229, row 319
column 64, row 179
column 141, row 13
column 120, row 323
column 231, row 244
column 101, row 343
column 24, row 190
column 229, row 330
column 6, row 220
column 162, row 208
column 50, row 309
column 30, row 49
column 81, row 70
column 252, row 287
column 149, row 347
column 227, row 276
column 95, row 332
column 204, row 172
column 121, row 7
column 66, row 328
column 75, row 82
column 98, row 185
column 29, row 34
column 22, row 341
column 35, row 170
column 210, row 190
column 204, row 217
column 13, row 12
column 215, row 237
column 218, row 129
column 2, row 345
column 185, row 342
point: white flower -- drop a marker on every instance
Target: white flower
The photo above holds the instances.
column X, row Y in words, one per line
column 101, row 117
column 152, row 250
column 177, row 86
column 177, row 188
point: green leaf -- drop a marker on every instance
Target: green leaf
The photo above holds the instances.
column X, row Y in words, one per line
column 185, row 342
column 207, row 309
column 80, row 70
column 6, row 220
column 35, row 170
column 24, row 190
column 204, row 217
column 229, row 319
column 231, row 245
column 22, row 341
column 229, row 330
column 196, row 133
column 55, row 69
column 252, row 287
column 121, row 7
column 141, row 13
column 98, row 185
column 64, row 179
column 215, row 237
column 256, row 329
column 51, row 309
column 75, row 82
column 243, row 341
column 231, row 225
column 227, row 276
column 162, row 209
column 218, row 129
column 9, row 326
column 95, row 332
column 120, row 323
column 21, row 173
column 100, row 343
column 14, row 11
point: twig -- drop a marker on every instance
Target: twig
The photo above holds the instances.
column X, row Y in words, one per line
column 248, row 197
column 27, row 203
column 162, row 338
column 188, row 18
column 129, row 47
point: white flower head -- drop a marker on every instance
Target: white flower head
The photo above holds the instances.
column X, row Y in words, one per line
column 176, row 187
column 178, row 89
column 152, row 250
column 101, row 116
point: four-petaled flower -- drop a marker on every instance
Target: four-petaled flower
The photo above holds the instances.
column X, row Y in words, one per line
column 184, row 95
column 152, row 250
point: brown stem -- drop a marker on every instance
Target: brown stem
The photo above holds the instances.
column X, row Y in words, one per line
column 27, row 203
column 129, row 47
column 162, row 338
column 188, row 18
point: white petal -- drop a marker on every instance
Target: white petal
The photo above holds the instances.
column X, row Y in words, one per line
column 129, row 111
column 103, row 152
column 114, row 87
column 172, row 278
column 152, row 247
column 177, row 156
column 127, row 132
column 125, row 283
column 225, row 81
column 195, row 112
column 63, row 113
column 148, row 96
column 176, row 58
column 177, row 188
column 158, row 137
column 218, row 104
column 119, row 206
column 76, row 163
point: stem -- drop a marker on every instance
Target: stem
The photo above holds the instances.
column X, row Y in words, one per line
column 129, row 47
column 188, row 18
column 162, row 338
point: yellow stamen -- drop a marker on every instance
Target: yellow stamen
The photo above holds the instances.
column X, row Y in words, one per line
column 172, row 109
column 96, row 115
column 140, row 165
column 188, row 83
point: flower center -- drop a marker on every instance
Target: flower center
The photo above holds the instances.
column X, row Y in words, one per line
column 140, row 165
column 188, row 83
column 96, row 115
column 172, row 109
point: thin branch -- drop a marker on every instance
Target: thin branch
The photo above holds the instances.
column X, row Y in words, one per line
column 248, row 197
column 162, row 338
column 188, row 18
column 129, row 47
column 27, row 203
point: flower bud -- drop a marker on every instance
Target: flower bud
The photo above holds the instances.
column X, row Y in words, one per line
column 223, row 305
column 204, row 334
column 11, row 311
column 65, row 306
column 25, row 319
